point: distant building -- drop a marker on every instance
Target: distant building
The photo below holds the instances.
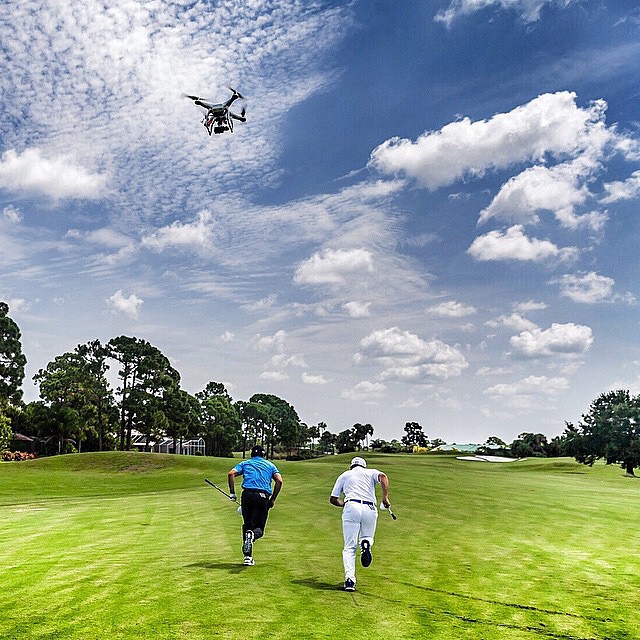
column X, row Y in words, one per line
column 190, row 447
column 457, row 448
column 21, row 442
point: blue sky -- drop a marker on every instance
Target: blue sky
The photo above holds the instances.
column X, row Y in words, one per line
column 430, row 214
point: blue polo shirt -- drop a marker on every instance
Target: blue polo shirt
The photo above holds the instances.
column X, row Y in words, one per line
column 257, row 473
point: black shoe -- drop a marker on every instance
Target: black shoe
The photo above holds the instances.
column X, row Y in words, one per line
column 365, row 555
column 349, row 585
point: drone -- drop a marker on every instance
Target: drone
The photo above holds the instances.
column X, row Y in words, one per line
column 218, row 118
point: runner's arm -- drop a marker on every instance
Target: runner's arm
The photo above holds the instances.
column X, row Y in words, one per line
column 384, row 483
column 231, row 479
column 277, row 485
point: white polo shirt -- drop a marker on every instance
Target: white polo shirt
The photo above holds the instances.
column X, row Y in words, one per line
column 357, row 484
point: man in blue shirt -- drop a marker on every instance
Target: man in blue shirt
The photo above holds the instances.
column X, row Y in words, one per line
column 257, row 496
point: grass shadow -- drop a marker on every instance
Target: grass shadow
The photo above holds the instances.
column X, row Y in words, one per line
column 231, row 567
column 314, row 583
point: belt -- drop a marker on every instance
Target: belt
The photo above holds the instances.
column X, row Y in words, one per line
column 369, row 504
column 252, row 490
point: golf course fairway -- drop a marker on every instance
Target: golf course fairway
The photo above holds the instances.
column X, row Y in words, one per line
column 119, row 545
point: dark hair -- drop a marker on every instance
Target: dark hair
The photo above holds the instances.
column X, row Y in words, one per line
column 257, row 451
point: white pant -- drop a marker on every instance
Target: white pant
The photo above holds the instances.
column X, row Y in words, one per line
column 358, row 523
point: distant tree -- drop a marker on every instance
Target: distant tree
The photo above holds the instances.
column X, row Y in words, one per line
column 528, row 445
column 436, row 442
column 254, row 417
column 328, row 441
column 99, row 391
column 610, row 430
column 221, row 421
column 12, row 360
column 313, row 433
column 280, row 421
column 521, row 449
column 77, row 380
column 414, row 436
column 213, row 390
column 146, row 376
column 361, row 433
column 347, row 441
column 5, row 430
column 537, row 442
column 56, row 426
column 555, row 447
column 395, row 446
column 494, row 445
column 182, row 411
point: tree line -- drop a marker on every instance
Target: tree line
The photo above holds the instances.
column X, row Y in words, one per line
column 79, row 410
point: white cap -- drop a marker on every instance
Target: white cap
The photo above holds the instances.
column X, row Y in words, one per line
column 359, row 462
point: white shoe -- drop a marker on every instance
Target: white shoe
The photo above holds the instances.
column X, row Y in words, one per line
column 249, row 561
column 247, row 545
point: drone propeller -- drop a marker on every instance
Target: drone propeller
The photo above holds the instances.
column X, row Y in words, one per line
column 237, row 93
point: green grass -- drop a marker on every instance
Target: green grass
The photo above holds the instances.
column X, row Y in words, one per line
column 129, row 545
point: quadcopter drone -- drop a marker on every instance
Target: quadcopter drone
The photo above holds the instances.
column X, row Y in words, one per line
column 218, row 118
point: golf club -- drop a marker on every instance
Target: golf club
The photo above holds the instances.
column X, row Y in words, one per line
column 393, row 515
column 224, row 493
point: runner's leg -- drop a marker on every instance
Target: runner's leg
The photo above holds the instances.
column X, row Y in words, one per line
column 350, row 532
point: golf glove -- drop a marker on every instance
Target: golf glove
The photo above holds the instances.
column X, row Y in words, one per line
column 232, row 496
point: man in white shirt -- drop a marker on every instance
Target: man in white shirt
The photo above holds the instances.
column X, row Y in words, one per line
column 359, row 514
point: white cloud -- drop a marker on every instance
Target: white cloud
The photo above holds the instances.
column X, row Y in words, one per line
column 12, row 214
column 269, row 343
column 628, row 189
column 16, row 305
column 357, row 309
column 198, row 234
column 556, row 189
column 549, row 125
column 308, row 378
column 282, row 360
column 589, row 288
column 515, row 322
column 528, row 10
column 334, row 266
column 407, row 357
column 528, row 393
column 559, row 340
column 276, row 376
column 58, row 177
column 532, row 385
column 365, row 391
column 513, row 244
column 105, row 237
column 529, row 305
column 129, row 306
column 451, row 309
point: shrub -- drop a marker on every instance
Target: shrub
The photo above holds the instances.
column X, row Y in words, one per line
column 17, row 456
